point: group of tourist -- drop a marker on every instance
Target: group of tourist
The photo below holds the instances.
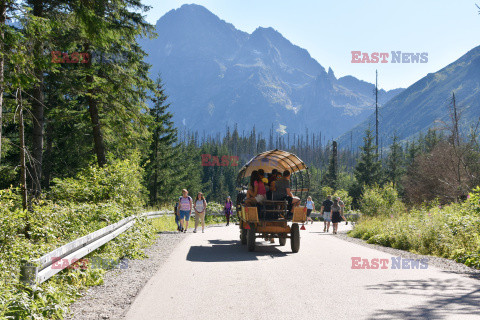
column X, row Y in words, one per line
column 183, row 209
column 275, row 187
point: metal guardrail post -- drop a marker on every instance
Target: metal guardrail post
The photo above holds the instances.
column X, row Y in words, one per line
column 28, row 272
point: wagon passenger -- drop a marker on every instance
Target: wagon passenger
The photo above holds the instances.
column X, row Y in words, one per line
column 257, row 192
column 282, row 190
column 261, row 172
column 272, row 177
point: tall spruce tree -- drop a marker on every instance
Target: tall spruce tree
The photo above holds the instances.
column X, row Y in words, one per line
column 330, row 179
column 162, row 178
column 395, row 164
column 368, row 170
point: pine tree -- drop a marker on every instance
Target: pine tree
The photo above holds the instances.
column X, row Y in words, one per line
column 114, row 89
column 431, row 140
column 368, row 170
column 395, row 166
column 331, row 178
column 413, row 151
column 163, row 155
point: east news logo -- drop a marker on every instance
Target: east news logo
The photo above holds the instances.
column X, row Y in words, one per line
column 394, row 56
column 396, row 263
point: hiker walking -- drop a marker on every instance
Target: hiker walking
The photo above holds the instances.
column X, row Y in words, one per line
column 228, row 209
column 200, row 206
column 185, row 209
column 326, row 211
column 337, row 215
column 310, row 207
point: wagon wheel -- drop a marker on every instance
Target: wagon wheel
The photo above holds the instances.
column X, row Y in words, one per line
column 243, row 236
column 251, row 237
column 295, row 240
column 282, row 239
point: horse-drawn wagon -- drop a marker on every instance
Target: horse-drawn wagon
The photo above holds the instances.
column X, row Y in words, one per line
column 273, row 218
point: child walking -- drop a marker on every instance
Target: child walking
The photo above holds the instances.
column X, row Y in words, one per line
column 310, row 207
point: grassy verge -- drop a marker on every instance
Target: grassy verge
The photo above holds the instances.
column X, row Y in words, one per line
column 451, row 232
column 167, row 223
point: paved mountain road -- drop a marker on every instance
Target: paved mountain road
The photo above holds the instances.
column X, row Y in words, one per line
column 212, row 276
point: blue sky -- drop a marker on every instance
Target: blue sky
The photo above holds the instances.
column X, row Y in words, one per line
column 330, row 30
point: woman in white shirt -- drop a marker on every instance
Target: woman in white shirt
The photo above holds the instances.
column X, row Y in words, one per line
column 199, row 206
column 310, row 208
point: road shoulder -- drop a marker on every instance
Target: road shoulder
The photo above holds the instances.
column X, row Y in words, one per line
column 441, row 263
column 112, row 299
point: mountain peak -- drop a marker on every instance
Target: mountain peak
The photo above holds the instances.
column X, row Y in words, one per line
column 192, row 7
column 189, row 11
column 331, row 74
column 268, row 30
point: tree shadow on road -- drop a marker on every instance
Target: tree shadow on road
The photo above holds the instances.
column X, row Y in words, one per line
column 450, row 297
column 232, row 250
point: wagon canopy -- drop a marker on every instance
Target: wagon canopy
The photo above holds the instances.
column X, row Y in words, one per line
column 273, row 159
column 280, row 160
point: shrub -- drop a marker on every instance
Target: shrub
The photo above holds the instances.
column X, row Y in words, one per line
column 343, row 194
column 77, row 206
column 380, row 201
column 326, row 191
column 120, row 181
column 474, row 200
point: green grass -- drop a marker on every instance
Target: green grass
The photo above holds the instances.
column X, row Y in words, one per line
column 451, row 232
column 167, row 223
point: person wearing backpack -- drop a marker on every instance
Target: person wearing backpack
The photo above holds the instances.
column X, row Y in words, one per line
column 200, row 206
column 185, row 209
column 337, row 215
column 177, row 218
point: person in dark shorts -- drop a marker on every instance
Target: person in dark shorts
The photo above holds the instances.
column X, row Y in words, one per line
column 337, row 215
column 310, row 207
column 326, row 211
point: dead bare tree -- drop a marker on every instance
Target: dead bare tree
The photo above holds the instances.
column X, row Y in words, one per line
column 451, row 169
